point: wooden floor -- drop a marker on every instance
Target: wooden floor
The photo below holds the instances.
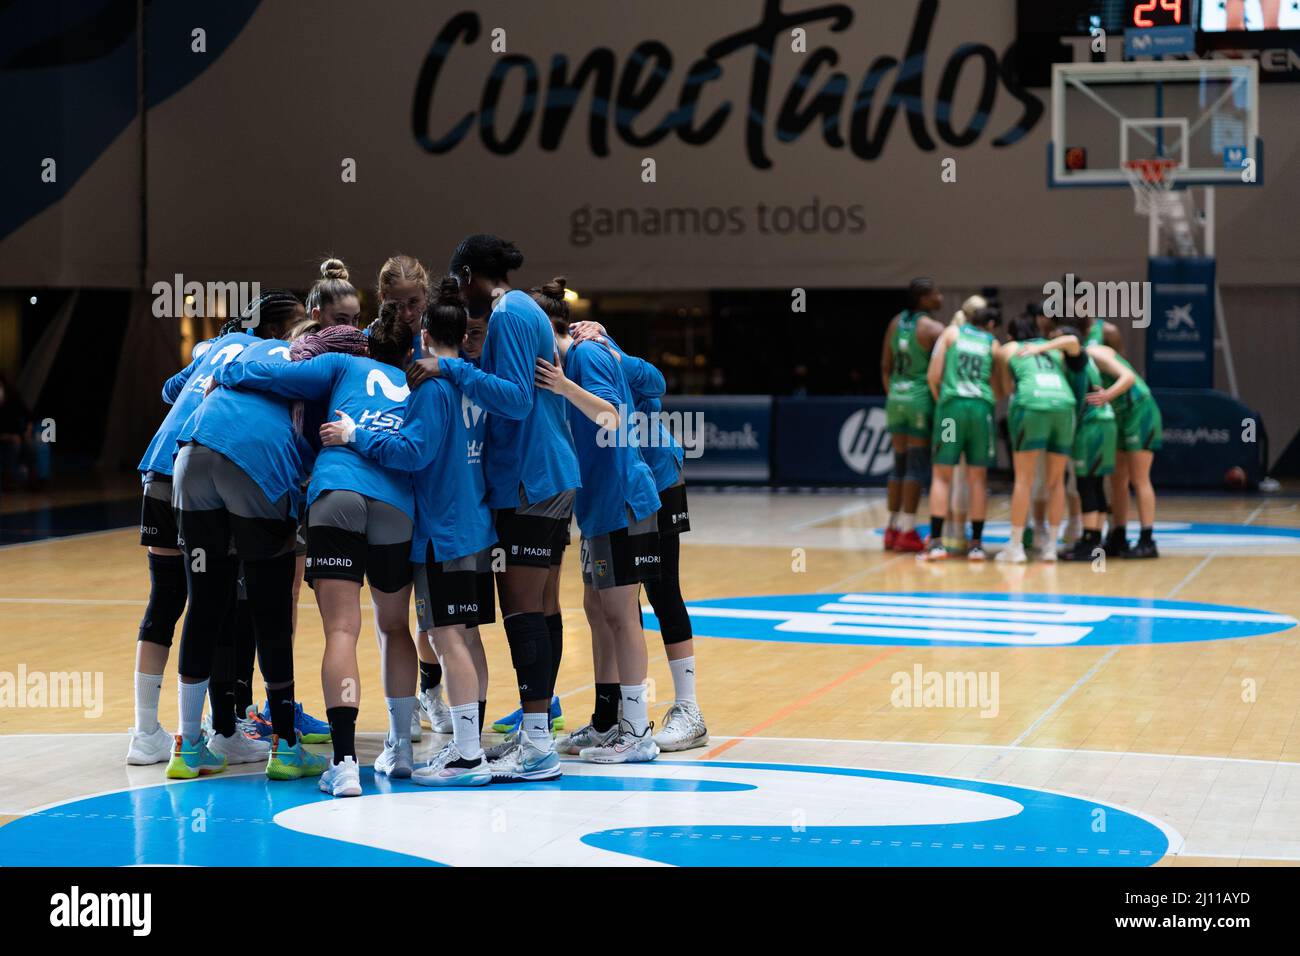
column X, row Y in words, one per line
column 1201, row 735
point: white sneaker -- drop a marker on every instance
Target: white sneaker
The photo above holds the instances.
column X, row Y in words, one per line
column 153, row 747
column 584, row 737
column 396, row 760
column 239, row 749
column 526, row 761
column 341, row 779
column 435, row 712
column 1013, row 553
column 935, row 551
column 627, row 747
column 496, row 751
column 417, row 732
column 451, row 768
column 1048, row 551
column 683, row 728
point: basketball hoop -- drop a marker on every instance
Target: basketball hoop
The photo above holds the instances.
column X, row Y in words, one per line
column 1151, row 179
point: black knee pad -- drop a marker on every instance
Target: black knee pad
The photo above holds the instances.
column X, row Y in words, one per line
column 269, row 585
column 674, row 621
column 918, row 465
column 1092, row 494
column 167, row 596
column 211, row 596
column 530, row 654
column 555, row 628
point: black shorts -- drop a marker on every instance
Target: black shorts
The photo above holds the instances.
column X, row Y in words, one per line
column 354, row 538
column 557, row 555
column 157, row 520
column 530, row 535
column 459, row 591
column 674, row 513
column 625, row 556
column 220, row 510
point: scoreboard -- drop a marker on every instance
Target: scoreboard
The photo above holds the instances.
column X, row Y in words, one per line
column 1064, row 31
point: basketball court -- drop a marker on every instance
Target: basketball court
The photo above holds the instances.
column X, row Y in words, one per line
column 1110, row 184
column 1157, row 697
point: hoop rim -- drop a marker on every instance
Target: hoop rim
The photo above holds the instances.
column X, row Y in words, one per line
column 1152, row 172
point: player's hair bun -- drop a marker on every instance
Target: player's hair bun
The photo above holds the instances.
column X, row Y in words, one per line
column 333, row 269
column 555, row 288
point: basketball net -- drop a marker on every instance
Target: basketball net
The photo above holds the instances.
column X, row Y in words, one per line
column 1152, row 180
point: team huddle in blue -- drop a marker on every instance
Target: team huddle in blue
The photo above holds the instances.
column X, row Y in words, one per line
column 438, row 454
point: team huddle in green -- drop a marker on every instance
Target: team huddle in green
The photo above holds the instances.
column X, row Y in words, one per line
column 1078, row 415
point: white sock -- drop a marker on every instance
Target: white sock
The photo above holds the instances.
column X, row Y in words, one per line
column 464, row 730
column 683, row 678
column 189, row 702
column 148, row 688
column 906, row 522
column 893, row 520
column 1074, row 527
column 1017, row 537
column 537, row 726
column 1041, row 532
column 400, row 710
column 635, row 711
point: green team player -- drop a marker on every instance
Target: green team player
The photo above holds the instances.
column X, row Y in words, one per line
column 1096, row 434
column 961, row 381
column 909, row 406
column 1140, row 430
column 1041, row 423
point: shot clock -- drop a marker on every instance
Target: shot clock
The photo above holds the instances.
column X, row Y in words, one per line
column 1143, row 14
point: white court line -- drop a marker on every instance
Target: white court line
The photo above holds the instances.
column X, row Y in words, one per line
column 1187, row 578
column 1038, row 721
column 838, row 513
column 846, row 740
column 831, row 588
column 570, row 693
column 1060, row 701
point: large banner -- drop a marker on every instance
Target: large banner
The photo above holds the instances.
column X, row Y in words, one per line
column 630, row 145
column 726, row 438
column 1180, row 339
column 1207, row 434
column 832, row 441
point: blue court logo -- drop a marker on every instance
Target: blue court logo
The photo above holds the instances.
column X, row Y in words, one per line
column 972, row 619
column 689, row 813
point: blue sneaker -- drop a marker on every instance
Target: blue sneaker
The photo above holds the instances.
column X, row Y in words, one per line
column 308, row 728
column 510, row 723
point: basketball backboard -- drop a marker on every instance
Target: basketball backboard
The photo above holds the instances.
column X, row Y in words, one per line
column 1203, row 116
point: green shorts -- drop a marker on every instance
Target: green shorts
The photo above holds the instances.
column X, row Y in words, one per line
column 963, row 426
column 911, row 414
column 1094, row 448
column 1033, row 429
column 1140, row 426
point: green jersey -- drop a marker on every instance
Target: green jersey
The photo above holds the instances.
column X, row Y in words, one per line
column 1040, row 379
column 911, row 358
column 1096, row 333
column 1085, row 382
column 968, row 366
column 1134, row 395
